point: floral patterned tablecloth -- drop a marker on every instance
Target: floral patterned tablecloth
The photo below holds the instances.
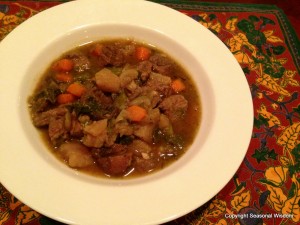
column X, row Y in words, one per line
column 266, row 187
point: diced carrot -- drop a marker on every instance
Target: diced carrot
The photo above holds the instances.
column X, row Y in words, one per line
column 97, row 50
column 142, row 53
column 65, row 98
column 177, row 85
column 76, row 89
column 136, row 113
column 63, row 65
column 64, row 77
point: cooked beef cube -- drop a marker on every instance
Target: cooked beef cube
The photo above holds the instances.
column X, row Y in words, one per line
column 107, row 54
column 113, row 150
column 76, row 128
column 81, row 62
column 45, row 97
column 95, row 104
column 116, row 149
column 96, row 96
column 115, row 165
column 41, row 104
column 57, row 130
column 145, row 68
column 162, row 64
column 145, row 165
column 159, row 83
column 43, row 118
column 76, row 154
column 165, row 69
column 174, row 106
column 107, row 81
column 113, row 54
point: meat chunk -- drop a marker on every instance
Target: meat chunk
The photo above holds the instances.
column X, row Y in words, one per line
column 43, row 118
column 174, row 106
column 107, row 81
column 76, row 155
column 144, row 159
column 159, row 83
column 95, row 104
column 76, row 128
column 115, row 54
column 96, row 95
column 145, row 68
column 162, row 64
column 81, row 62
column 57, row 130
column 115, row 165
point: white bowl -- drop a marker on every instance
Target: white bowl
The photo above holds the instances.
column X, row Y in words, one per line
column 36, row 177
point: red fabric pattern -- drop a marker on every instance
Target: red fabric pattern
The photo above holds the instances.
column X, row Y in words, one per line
column 266, row 188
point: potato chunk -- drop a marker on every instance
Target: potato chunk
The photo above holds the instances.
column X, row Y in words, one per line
column 127, row 76
column 76, row 155
column 107, row 81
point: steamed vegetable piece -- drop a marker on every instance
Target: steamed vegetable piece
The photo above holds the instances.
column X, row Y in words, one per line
column 64, row 77
column 142, row 53
column 107, row 81
column 65, row 98
column 76, row 154
column 178, row 85
column 136, row 113
column 63, row 65
column 116, row 108
column 76, row 89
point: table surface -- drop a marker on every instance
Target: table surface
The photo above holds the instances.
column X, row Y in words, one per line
column 267, row 184
column 291, row 8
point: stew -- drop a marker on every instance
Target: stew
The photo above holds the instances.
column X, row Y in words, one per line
column 116, row 108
